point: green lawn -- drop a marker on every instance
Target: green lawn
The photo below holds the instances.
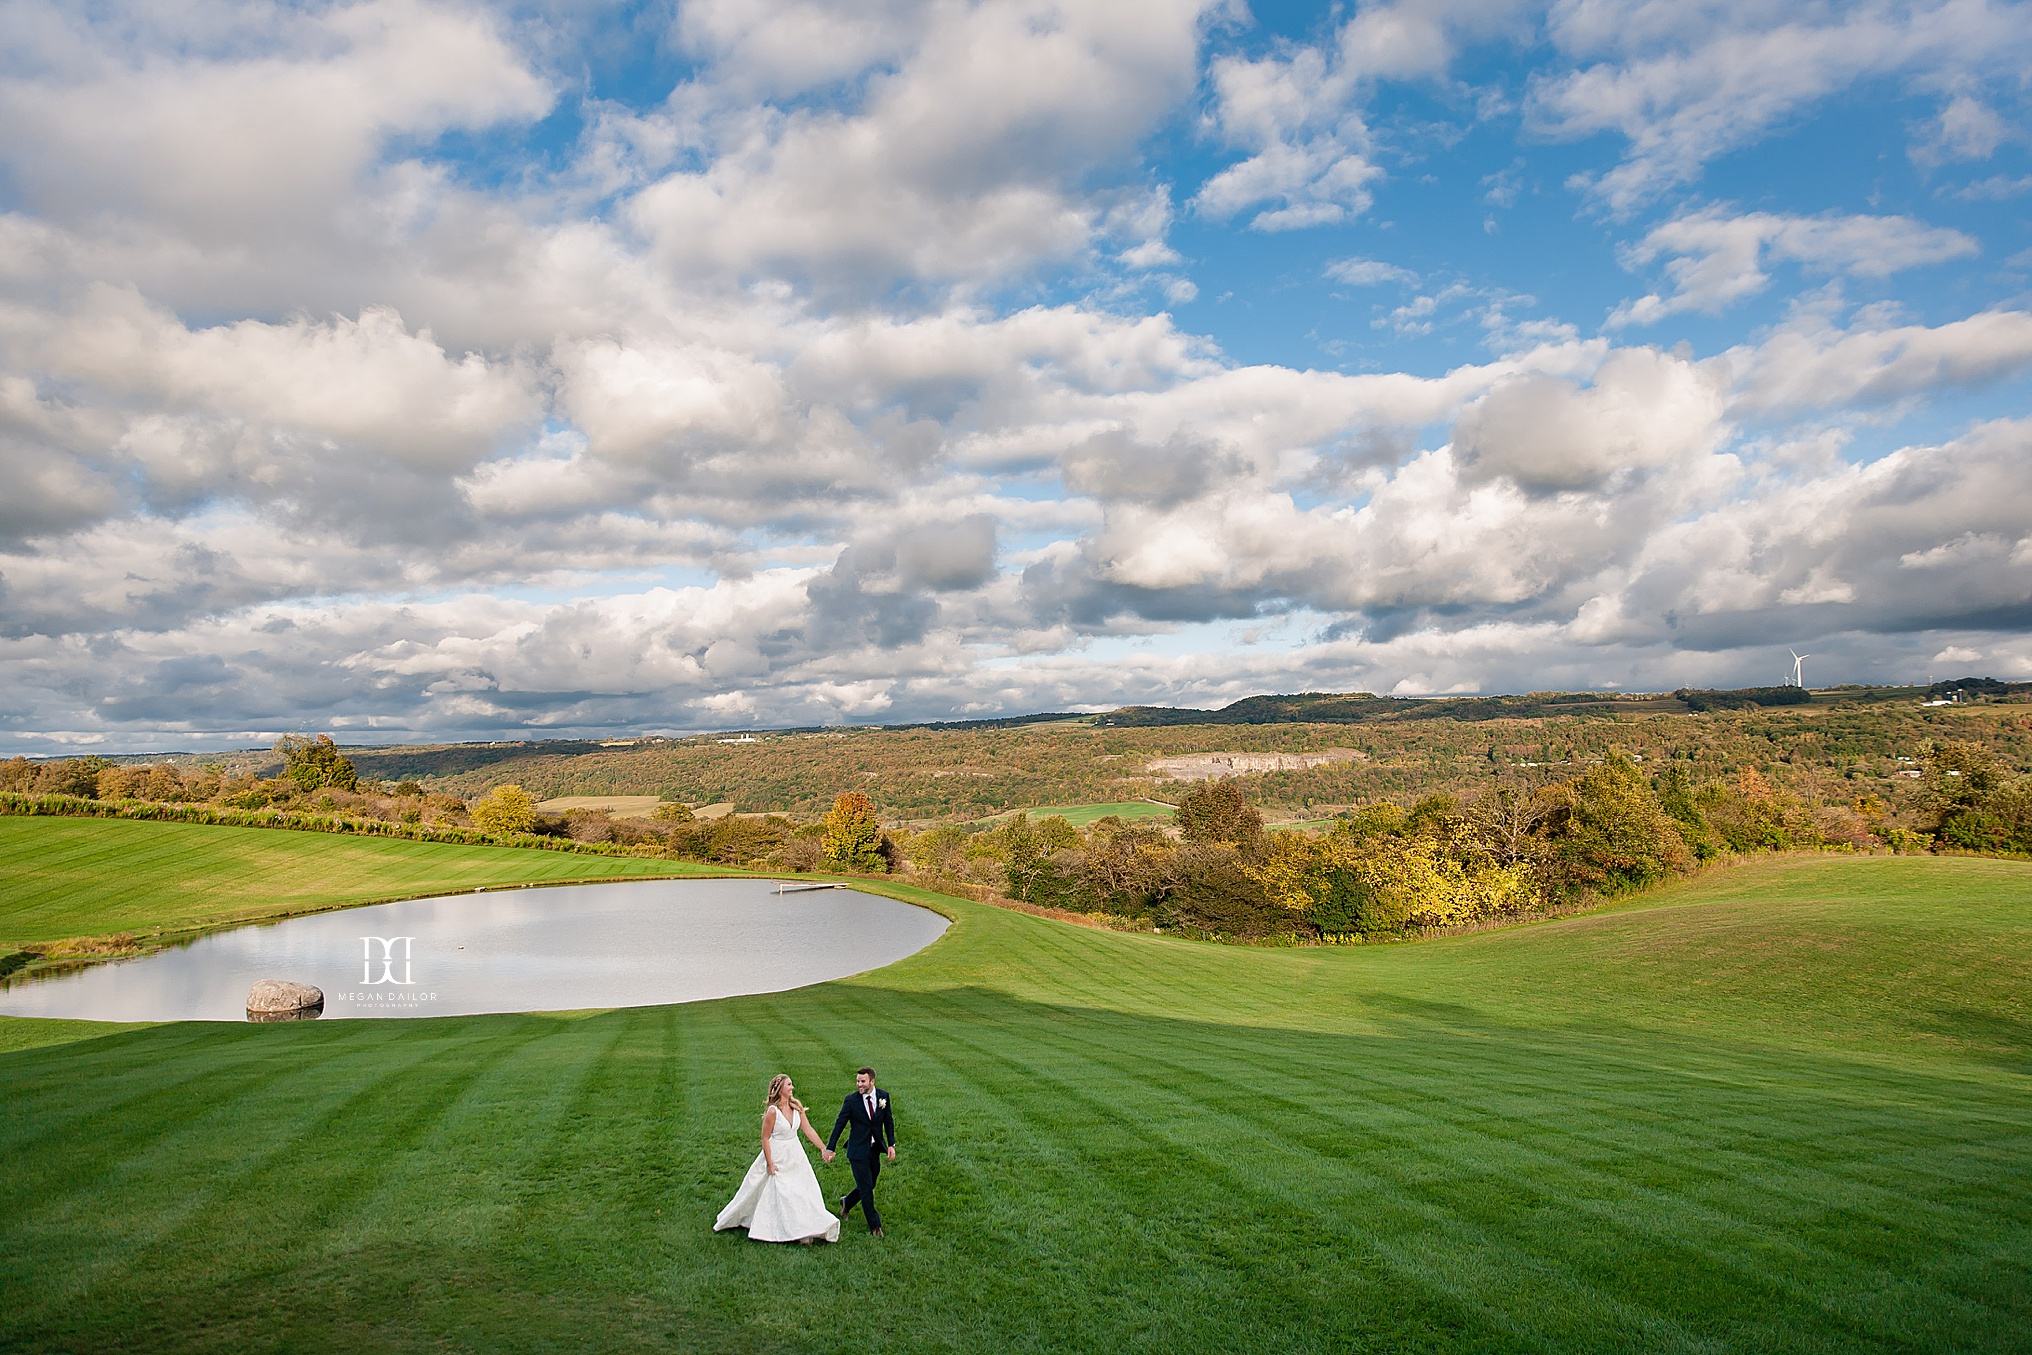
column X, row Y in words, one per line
column 1787, row 1107
column 86, row 877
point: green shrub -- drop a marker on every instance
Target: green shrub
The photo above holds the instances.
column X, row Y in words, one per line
column 315, row 764
column 1609, row 833
column 1905, row 842
column 1343, row 903
column 1213, row 893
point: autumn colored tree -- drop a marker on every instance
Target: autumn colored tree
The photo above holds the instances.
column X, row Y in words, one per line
column 1217, row 811
column 853, row 835
column 74, row 776
column 17, row 774
column 504, row 809
column 1316, row 877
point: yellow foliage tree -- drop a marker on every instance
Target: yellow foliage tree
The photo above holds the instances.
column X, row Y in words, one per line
column 1300, row 865
column 1429, row 888
column 504, row 809
column 1341, row 883
column 853, row 835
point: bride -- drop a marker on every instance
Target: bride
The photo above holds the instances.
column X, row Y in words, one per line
column 780, row 1199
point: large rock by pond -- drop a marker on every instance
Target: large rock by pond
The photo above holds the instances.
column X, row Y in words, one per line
column 283, row 1000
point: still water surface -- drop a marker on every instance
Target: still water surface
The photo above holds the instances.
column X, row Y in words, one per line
column 632, row 944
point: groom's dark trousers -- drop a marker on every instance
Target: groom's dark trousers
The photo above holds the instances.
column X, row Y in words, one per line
column 867, row 1138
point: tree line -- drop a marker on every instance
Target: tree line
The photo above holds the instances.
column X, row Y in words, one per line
column 1511, row 848
column 1509, row 851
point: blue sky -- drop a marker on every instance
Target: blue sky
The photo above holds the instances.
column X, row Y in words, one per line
column 427, row 370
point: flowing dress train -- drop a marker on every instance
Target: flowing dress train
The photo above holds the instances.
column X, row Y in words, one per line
column 786, row 1207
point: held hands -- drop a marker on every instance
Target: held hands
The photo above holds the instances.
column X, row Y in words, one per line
column 826, row 1154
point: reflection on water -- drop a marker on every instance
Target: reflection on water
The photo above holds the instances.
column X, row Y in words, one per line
column 631, row 944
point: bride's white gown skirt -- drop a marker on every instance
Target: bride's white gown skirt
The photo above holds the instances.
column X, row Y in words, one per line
column 786, row 1207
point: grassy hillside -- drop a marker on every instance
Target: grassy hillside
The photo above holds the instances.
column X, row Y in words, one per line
column 1841, row 744
column 1844, row 746
column 1788, row 1107
column 88, row 877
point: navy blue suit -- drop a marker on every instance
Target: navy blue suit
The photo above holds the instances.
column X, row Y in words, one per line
column 867, row 1138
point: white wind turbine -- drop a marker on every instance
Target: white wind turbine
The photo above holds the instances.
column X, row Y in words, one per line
column 1798, row 671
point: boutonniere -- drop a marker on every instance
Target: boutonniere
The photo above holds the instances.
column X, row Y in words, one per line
column 882, row 1103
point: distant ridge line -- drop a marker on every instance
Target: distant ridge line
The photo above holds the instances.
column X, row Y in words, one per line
column 1288, row 708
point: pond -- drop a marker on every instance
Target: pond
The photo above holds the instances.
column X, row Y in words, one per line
column 628, row 944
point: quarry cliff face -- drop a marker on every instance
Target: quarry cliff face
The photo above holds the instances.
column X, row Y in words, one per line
column 1211, row 766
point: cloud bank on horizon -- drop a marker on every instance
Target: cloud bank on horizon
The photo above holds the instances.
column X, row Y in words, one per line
column 425, row 369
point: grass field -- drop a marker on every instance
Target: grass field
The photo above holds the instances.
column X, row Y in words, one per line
column 620, row 806
column 1786, row 1107
column 86, row 877
column 1083, row 816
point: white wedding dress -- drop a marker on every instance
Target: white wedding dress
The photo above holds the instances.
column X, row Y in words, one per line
column 786, row 1207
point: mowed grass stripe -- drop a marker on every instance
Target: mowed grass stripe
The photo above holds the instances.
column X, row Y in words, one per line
column 381, row 1149
column 505, row 1124
column 1472, row 1191
column 567, row 1191
column 313, row 1174
column 1274, row 1148
column 1208, row 1071
column 1263, row 1153
column 1549, row 1139
column 942, row 1180
column 1214, row 1073
column 1085, row 1160
column 101, row 1090
column 1056, row 1170
column 1201, row 1177
column 132, row 1196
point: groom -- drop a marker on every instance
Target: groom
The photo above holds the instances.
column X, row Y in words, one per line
column 870, row 1129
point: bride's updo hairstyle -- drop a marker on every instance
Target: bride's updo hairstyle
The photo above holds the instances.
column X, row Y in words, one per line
column 776, row 1086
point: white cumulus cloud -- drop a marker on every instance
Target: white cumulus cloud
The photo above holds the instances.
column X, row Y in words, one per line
column 1715, row 258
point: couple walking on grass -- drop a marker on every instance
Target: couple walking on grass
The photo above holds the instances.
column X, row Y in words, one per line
column 780, row 1199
